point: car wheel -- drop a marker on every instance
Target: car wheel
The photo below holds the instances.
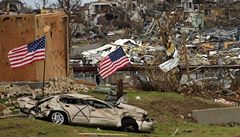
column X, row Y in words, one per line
column 129, row 125
column 58, row 117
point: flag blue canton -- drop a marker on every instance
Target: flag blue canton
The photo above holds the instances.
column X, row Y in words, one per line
column 37, row 44
column 117, row 54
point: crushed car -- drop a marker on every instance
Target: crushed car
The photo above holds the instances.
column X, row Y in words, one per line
column 87, row 110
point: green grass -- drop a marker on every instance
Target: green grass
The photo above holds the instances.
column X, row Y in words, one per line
column 26, row 127
column 163, row 107
column 196, row 130
column 22, row 127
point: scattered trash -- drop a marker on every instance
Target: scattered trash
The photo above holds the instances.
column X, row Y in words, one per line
column 175, row 132
column 98, row 129
column 182, row 117
column 42, row 133
column 187, row 131
column 101, row 134
column 169, row 65
column 224, row 101
column 138, row 98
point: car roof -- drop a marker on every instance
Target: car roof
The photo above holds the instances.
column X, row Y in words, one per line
column 83, row 96
column 77, row 95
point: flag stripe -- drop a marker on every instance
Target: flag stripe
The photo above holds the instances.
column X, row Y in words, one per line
column 19, row 48
column 119, row 67
column 105, row 61
column 113, row 62
column 16, row 53
column 17, row 58
column 19, row 51
column 28, row 58
column 27, row 62
column 115, row 67
column 19, row 54
column 28, row 53
column 111, row 65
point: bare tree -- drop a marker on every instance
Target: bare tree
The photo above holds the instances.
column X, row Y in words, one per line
column 70, row 7
column 41, row 4
column 152, row 77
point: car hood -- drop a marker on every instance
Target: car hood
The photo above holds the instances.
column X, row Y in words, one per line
column 26, row 102
column 132, row 109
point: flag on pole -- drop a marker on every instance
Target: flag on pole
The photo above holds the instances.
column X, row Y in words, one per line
column 28, row 53
column 113, row 62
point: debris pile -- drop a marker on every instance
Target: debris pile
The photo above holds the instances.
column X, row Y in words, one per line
column 224, row 101
column 8, row 90
column 139, row 52
column 64, row 85
column 214, row 47
column 53, row 86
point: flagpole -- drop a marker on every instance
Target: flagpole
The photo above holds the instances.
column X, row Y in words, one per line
column 44, row 66
column 46, row 29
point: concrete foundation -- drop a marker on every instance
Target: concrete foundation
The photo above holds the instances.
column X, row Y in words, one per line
column 217, row 115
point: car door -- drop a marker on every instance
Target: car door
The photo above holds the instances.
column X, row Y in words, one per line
column 76, row 108
column 102, row 113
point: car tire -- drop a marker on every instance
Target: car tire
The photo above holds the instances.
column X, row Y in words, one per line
column 129, row 125
column 58, row 117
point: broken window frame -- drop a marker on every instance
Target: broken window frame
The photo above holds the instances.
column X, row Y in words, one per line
column 92, row 102
column 76, row 102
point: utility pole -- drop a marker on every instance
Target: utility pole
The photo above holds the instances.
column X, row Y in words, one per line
column 185, row 55
column 68, row 12
column 8, row 7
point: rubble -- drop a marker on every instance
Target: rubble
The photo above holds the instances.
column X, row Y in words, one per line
column 8, row 108
column 53, row 86
column 212, row 47
column 64, row 85
column 2, row 107
column 10, row 91
column 224, row 101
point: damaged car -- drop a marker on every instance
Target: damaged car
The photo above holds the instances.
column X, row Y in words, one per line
column 87, row 110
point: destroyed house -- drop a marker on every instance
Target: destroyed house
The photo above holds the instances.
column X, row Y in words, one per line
column 101, row 7
column 13, row 5
column 129, row 5
column 190, row 5
column 104, row 6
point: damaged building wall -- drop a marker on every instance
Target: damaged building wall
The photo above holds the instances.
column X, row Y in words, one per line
column 25, row 29
column 15, row 31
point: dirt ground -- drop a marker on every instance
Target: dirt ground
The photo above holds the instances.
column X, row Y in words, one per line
column 172, row 107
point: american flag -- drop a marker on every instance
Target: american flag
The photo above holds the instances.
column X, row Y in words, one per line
column 113, row 62
column 28, row 53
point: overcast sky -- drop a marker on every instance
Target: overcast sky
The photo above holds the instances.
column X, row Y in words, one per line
column 32, row 2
